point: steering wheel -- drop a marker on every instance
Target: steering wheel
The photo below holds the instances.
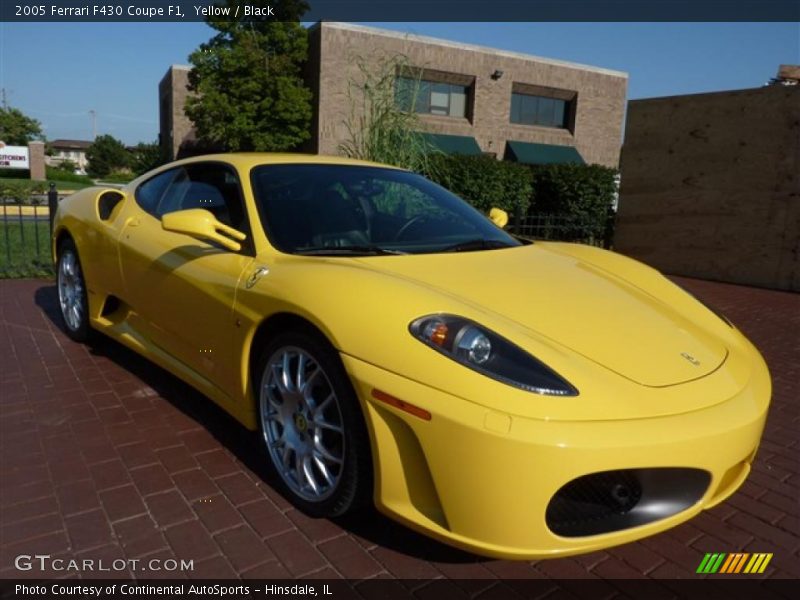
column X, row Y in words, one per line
column 407, row 225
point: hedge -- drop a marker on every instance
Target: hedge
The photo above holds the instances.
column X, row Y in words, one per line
column 54, row 174
column 585, row 192
column 21, row 191
column 51, row 174
column 581, row 190
column 483, row 181
column 119, row 177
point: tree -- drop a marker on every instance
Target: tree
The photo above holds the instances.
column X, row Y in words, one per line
column 106, row 154
column 146, row 156
column 17, row 129
column 247, row 81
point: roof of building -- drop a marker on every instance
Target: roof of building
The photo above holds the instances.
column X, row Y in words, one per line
column 71, row 144
column 467, row 47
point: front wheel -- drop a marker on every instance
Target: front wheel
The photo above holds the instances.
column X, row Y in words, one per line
column 72, row 297
column 312, row 425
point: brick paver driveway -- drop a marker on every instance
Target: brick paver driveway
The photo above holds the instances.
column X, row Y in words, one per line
column 105, row 456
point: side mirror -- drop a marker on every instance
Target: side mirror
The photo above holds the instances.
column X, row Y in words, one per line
column 200, row 223
column 499, row 217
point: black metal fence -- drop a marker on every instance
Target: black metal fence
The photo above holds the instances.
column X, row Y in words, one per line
column 565, row 228
column 25, row 237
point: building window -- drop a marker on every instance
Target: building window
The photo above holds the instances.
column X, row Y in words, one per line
column 431, row 97
column 527, row 109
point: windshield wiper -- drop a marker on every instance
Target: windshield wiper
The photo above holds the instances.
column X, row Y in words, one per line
column 476, row 244
column 354, row 250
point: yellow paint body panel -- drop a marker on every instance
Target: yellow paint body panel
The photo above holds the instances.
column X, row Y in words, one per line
column 481, row 471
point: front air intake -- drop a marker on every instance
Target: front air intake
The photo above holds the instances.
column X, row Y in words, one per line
column 614, row 500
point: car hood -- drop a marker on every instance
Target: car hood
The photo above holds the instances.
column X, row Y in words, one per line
column 573, row 303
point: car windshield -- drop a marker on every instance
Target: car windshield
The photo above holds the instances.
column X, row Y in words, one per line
column 345, row 210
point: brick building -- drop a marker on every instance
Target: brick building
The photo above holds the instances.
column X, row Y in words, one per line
column 176, row 133
column 471, row 99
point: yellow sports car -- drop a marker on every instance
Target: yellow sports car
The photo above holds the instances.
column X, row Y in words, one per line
column 392, row 344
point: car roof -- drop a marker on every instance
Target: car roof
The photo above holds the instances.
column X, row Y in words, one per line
column 247, row 160
column 244, row 161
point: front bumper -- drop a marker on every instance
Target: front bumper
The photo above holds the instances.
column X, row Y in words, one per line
column 482, row 480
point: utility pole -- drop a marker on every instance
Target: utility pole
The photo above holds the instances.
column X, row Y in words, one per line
column 4, row 98
column 93, row 114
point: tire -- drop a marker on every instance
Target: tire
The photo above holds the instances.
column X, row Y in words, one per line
column 72, row 299
column 312, row 425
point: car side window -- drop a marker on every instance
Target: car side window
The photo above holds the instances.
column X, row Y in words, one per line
column 149, row 193
column 172, row 199
column 211, row 186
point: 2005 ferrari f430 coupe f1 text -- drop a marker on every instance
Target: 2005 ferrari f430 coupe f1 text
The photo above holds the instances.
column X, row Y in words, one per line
column 393, row 345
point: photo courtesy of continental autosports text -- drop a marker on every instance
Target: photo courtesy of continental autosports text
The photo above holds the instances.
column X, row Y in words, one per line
column 139, row 590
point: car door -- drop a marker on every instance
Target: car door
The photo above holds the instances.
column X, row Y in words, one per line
column 183, row 289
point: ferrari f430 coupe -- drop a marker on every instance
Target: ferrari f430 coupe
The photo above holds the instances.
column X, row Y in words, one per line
column 393, row 345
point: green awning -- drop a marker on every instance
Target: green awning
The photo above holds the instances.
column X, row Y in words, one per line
column 453, row 144
column 542, row 154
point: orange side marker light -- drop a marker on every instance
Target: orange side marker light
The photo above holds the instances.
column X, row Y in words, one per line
column 401, row 404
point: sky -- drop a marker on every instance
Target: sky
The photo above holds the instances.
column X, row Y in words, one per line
column 58, row 72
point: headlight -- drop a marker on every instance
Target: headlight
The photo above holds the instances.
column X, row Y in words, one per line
column 484, row 351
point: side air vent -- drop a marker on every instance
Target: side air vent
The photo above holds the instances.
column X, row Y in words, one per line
column 107, row 203
column 110, row 306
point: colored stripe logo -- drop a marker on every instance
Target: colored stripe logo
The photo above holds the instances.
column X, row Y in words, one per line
column 734, row 563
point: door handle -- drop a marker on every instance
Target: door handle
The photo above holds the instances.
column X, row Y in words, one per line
column 133, row 222
column 255, row 276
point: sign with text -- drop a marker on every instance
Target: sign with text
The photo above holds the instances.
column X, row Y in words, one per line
column 14, row 157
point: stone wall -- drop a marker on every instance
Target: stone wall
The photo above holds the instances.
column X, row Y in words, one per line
column 711, row 186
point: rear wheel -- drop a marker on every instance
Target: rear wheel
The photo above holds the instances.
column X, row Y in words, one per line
column 312, row 425
column 72, row 297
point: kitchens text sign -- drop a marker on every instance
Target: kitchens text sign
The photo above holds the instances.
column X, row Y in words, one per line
column 14, row 157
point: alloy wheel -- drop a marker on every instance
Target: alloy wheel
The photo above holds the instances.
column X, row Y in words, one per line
column 70, row 290
column 302, row 423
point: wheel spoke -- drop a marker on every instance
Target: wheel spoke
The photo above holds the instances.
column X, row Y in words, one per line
column 298, row 472
column 321, row 422
column 323, row 468
column 324, row 453
column 320, row 408
column 76, row 317
column 282, row 372
column 308, row 389
column 308, row 471
column 300, row 379
column 67, row 263
column 273, row 416
column 286, row 453
column 272, row 398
